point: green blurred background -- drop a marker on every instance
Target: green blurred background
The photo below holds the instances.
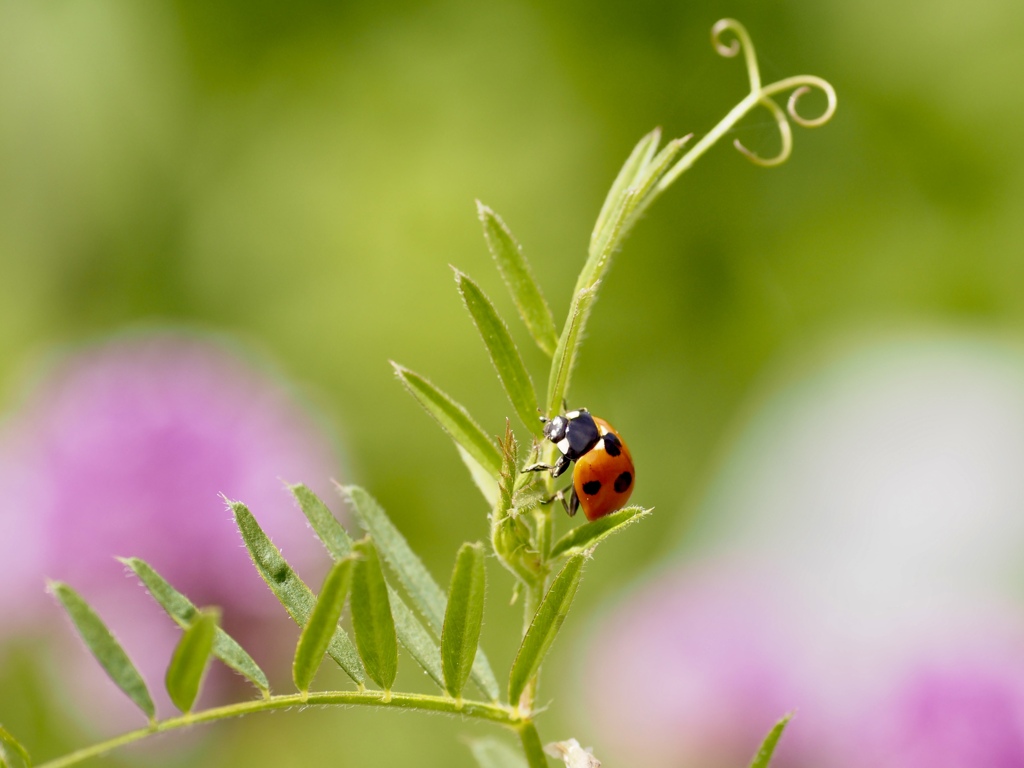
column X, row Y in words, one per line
column 300, row 176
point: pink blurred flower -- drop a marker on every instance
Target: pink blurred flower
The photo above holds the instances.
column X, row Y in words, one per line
column 695, row 667
column 692, row 669
column 123, row 449
column 946, row 713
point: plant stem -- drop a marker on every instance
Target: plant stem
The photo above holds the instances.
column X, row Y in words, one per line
column 706, row 142
column 531, row 744
column 473, row 709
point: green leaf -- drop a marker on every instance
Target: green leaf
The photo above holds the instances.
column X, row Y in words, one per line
column 453, row 418
column 12, row 754
column 645, row 183
column 492, row 753
column 104, row 647
column 518, row 276
column 293, row 593
column 323, row 622
column 544, row 628
column 587, row 536
column 411, row 634
column 326, row 526
column 638, row 159
column 463, row 618
column 764, row 754
column 565, row 355
column 371, row 617
column 504, row 355
column 423, row 591
column 185, row 672
column 482, row 479
column 181, row 609
column 633, row 190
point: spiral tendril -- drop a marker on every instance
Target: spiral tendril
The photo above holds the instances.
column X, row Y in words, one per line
column 730, row 38
column 799, row 86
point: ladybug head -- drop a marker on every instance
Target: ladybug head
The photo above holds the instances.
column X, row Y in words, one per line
column 554, row 430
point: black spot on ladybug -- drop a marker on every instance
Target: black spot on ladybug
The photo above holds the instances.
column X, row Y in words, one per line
column 612, row 445
column 622, row 482
column 593, row 487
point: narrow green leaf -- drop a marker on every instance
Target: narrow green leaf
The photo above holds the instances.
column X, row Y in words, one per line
column 518, row 276
column 411, row 634
column 423, row 591
column 565, row 355
column 482, row 479
column 188, row 664
column 453, row 418
column 415, row 639
column 293, row 593
column 764, row 754
column 371, row 617
column 12, row 754
column 544, row 628
column 323, row 622
column 587, row 536
column 646, row 182
column 463, row 618
column 492, row 753
column 104, row 647
column 325, row 525
column 638, row 159
column 181, row 609
column 503, row 352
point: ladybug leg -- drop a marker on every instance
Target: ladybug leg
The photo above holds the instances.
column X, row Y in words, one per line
column 570, row 508
column 574, row 503
column 536, row 468
column 559, row 467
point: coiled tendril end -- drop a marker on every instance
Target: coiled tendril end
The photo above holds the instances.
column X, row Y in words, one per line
column 800, row 86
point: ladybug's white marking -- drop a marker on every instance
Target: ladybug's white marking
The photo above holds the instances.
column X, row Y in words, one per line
column 572, row 415
column 563, row 445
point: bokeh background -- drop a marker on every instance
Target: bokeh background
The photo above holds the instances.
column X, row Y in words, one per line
column 218, row 221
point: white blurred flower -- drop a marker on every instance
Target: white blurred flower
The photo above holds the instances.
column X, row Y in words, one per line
column 572, row 754
column 860, row 553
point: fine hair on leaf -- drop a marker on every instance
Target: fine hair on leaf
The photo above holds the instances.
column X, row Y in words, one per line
column 503, row 352
column 371, row 617
column 545, row 626
column 453, row 418
column 290, row 590
column 323, row 622
column 424, row 592
column 463, row 617
column 181, row 609
column 411, row 633
column 518, row 276
column 104, row 647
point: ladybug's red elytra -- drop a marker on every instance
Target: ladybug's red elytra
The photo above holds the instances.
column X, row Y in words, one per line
column 602, row 480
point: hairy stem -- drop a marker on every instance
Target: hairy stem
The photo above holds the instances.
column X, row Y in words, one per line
column 472, row 709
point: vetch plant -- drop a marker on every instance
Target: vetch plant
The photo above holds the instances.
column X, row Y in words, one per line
column 393, row 600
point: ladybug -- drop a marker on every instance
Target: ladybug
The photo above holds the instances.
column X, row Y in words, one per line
column 602, row 480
